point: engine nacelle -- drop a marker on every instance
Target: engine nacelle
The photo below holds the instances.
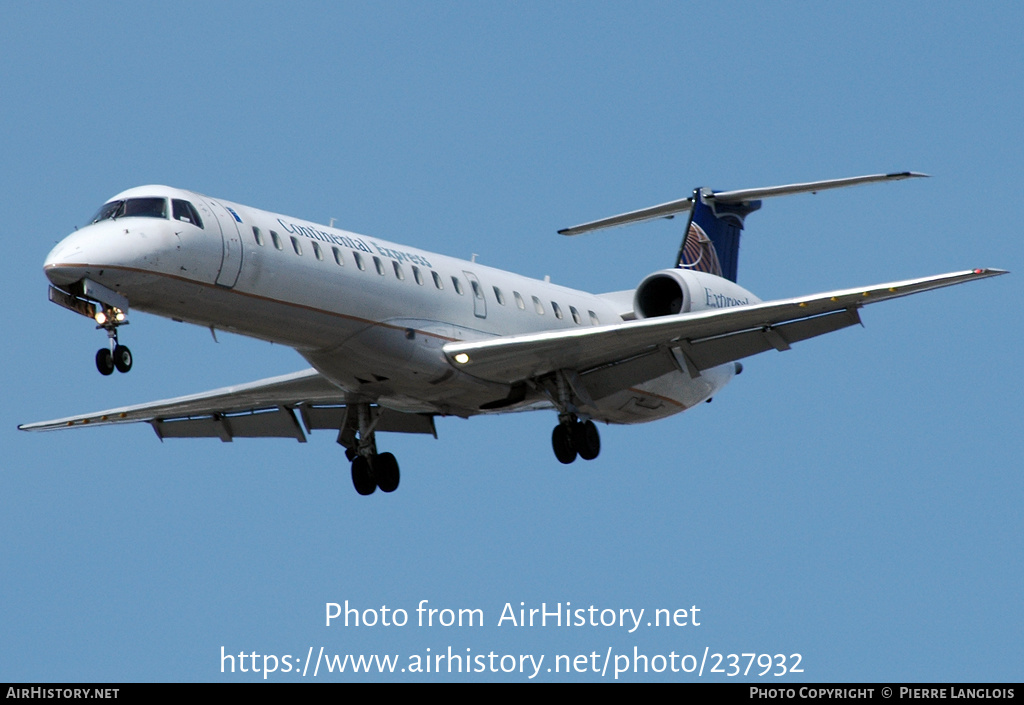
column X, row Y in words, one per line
column 673, row 291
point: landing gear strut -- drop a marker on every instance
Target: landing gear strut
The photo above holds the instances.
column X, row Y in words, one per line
column 370, row 469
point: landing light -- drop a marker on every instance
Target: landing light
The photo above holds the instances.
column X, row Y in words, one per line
column 462, row 358
column 110, row 315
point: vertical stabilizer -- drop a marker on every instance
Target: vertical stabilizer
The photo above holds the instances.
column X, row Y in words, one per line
column 712, row 241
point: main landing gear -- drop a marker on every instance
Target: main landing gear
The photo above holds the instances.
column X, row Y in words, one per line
column 115, row 356
column 369, row 473
column 573, row 437
column 370, row 469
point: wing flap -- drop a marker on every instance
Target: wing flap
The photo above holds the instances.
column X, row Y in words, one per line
column 387, row 420
column 606, row 380
column 715, row 336
column 260, row 423
column 711, row 352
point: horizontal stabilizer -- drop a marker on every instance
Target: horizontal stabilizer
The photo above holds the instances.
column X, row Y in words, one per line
column 682, row 205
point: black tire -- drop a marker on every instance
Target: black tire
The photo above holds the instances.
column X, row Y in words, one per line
column 385, row 470
column 561, row 442
column 104, row 361
column 122, row 358
column 586, row 439
column 362, row 476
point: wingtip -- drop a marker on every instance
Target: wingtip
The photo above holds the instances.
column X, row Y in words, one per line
column 908, row 175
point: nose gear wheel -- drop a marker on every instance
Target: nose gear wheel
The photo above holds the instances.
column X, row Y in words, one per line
column 105, row 361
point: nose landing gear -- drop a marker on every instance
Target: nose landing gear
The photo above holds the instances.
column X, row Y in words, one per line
column 115, row 356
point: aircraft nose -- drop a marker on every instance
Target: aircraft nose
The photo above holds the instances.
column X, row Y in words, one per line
column 81, row 254
column 59, row 265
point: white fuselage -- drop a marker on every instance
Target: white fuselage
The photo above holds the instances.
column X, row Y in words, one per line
column 372, row 316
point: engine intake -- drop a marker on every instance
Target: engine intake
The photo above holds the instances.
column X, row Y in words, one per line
column 673, row 291
column 663, row 293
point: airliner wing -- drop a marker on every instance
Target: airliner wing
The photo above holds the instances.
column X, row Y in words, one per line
column 637, row 350
column 262, row 409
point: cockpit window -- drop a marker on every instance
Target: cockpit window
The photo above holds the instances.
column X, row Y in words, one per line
column 108, row 210
column 183, row 210
column 132, row 208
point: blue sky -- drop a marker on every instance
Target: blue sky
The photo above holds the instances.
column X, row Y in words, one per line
column 856, row 500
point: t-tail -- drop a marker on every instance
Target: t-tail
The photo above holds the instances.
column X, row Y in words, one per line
column 712, row 237
column 712, row 242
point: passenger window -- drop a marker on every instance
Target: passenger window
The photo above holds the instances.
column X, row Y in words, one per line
column 519, row 300
column 538, row 306
column 359, row 261
column 186, row 212
column 437, row 280
column 276, row 239
column 399, row 274
column 477, row 291
column 499, row 296
column 296, row 246
column 337, row 257
column 593, row 319
column 417, row 275
column 557, row 309
column 379, row 265
column 458, row 285
column 575, row 315
column 316, row 251
column 256, row 234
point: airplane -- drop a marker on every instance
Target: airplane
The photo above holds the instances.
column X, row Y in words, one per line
column 397, row 336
